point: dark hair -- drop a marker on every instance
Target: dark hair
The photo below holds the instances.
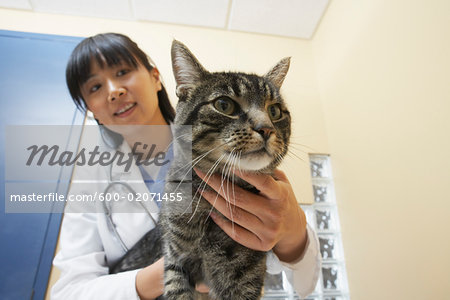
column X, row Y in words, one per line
column 112, row 49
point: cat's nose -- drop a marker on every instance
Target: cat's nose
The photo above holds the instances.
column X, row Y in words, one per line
column 265, row 132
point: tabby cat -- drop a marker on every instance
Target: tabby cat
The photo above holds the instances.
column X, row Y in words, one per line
column 238, row 121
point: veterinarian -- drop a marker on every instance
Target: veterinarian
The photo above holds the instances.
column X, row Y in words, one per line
column 111, row 77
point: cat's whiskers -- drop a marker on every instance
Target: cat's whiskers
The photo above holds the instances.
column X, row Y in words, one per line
column 296, row 146
column 176, row 138
column 294, row 141
column 217, row 194
column 232, row 160
column 189, row 164
column 197, row 160
column 227, row 173
column 208, row 174
column 204, row 184
column 291, row 143
column 294, row 155
column 239, row 162
column 233, row 180
column 293, row 147
column 236, row 164
column 224, row 177
column 238, row 158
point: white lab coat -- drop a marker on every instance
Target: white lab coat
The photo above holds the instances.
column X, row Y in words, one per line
column 88, row 247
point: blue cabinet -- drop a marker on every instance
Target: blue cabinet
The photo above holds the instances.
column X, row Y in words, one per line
column 32, row 92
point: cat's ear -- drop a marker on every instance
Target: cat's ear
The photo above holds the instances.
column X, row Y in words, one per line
column 278, row 73
column 186, row 68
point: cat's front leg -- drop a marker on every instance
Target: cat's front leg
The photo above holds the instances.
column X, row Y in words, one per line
column 176, row 279
column 234, row 272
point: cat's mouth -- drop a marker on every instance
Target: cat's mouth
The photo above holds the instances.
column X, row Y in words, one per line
column 255, row 160
column 258, row 152
column 252, row 153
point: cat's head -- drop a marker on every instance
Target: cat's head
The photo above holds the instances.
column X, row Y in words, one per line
column 241, row 116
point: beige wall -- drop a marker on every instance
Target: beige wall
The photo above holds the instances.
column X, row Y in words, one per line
column 383, row 73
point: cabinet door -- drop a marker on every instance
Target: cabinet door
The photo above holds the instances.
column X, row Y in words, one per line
column 32, row 92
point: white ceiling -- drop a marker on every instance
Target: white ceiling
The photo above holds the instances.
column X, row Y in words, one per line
column 290, row 18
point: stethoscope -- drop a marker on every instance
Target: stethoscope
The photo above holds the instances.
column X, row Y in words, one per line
column 107, row 209
column 127, row 188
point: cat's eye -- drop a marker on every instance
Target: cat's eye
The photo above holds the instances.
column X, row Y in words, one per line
column 274, row 111
column 225, row 105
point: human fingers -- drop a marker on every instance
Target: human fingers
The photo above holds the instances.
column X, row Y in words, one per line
column 234, row 194
column 233, row 213
column 265, row 183
column 259, row 232
column 240, row 234
column 280, row 175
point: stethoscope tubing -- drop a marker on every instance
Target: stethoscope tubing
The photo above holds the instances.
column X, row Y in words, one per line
column 111, row 226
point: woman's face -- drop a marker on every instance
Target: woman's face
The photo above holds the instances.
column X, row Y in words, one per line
column 122, row 95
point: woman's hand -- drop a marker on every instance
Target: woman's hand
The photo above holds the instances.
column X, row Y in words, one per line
column 269, row 220
column 150, row 281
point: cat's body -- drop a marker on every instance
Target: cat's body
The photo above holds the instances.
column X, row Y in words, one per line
column 239, row 122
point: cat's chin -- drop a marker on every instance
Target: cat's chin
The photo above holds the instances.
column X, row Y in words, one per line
column 255, row 162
